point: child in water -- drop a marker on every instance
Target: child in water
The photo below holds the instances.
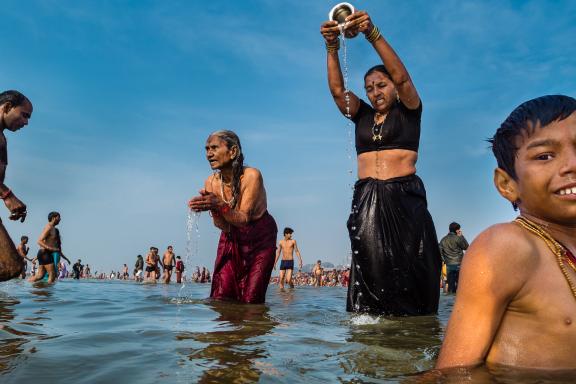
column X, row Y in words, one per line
column 516, row 301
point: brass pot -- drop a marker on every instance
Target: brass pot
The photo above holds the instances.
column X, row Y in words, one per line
column 340, row 12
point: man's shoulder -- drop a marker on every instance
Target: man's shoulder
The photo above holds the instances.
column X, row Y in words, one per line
column 446, row 237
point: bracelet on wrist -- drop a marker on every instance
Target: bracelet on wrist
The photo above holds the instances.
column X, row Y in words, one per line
column 333, row 47
column 6, row 193
column 374, row 34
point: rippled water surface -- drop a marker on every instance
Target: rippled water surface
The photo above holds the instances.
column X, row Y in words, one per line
column 94, row 331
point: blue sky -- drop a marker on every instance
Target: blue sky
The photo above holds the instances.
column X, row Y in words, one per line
column 125, row 94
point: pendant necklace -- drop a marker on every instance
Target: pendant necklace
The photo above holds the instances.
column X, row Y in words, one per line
column 377, row 130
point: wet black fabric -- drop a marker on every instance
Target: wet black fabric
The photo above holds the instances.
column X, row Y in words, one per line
column 396, row 261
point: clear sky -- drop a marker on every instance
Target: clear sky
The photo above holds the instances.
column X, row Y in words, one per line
column 125, row 94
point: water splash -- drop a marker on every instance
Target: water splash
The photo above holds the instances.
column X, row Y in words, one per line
column 192, row 243
column 365, row 319
column 350, row 144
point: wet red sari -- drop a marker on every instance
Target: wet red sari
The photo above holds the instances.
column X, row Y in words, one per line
column 245, row 261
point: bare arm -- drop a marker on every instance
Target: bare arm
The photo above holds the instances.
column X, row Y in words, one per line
column 398, row 73
column 14, row 205
column 330, row 32
column 278, row 252
column 489, row 281
column 298, row 254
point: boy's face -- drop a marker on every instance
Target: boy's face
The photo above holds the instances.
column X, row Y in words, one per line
column 287, row 236
column 546, row 172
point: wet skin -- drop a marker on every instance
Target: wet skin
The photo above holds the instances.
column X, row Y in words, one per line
column 514, row 306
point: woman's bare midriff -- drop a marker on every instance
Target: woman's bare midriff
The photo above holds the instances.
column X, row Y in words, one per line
column 387, row 164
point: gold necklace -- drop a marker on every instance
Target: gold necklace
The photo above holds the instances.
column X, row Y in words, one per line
column 557, row 249
column 222, row 183
column 377, row 133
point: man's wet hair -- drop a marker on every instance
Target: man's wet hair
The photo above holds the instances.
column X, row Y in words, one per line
column 378, row 68
column 13, row 97
column 52, row 215
column 288, row 230
column 24, row 238
column 523, row 121
column 453, row 227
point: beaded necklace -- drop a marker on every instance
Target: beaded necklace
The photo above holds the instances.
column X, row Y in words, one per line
column 229, row 202
column 557, row 249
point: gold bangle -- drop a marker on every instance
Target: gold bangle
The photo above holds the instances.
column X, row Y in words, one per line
column 374, row 34
column 333, row 47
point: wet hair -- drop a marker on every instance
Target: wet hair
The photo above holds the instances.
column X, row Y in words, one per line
column 453, row 227
column 170, row 247
column 288, row 230
column 524, row 120
column 139, row 256
column 377, row 68
column 231, row 139
column 177, row 257
column 24, row 238
column 52, row 215
column 15, row 98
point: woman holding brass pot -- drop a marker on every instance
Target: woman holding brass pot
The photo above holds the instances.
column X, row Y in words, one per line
column 395, row 257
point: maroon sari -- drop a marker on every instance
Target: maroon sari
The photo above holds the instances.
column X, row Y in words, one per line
column 244, row 261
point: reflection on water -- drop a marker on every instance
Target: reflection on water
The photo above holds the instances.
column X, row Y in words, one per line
column 392, row 347
column 100, row 332
column 233, row 350
column 493, row 375
column 17, row 331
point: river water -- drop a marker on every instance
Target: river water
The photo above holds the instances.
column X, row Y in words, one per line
column 92, row 331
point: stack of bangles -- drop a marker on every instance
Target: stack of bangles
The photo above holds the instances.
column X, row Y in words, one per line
column 374, row 34
column 224, row 209
column 333, row 47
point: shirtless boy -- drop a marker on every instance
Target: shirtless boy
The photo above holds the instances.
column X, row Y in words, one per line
column 317, row 272
column 50, row 250
column 286, row 247
column 516, row 303
column 168, row 262
column 23, row 250
column 151, row 264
